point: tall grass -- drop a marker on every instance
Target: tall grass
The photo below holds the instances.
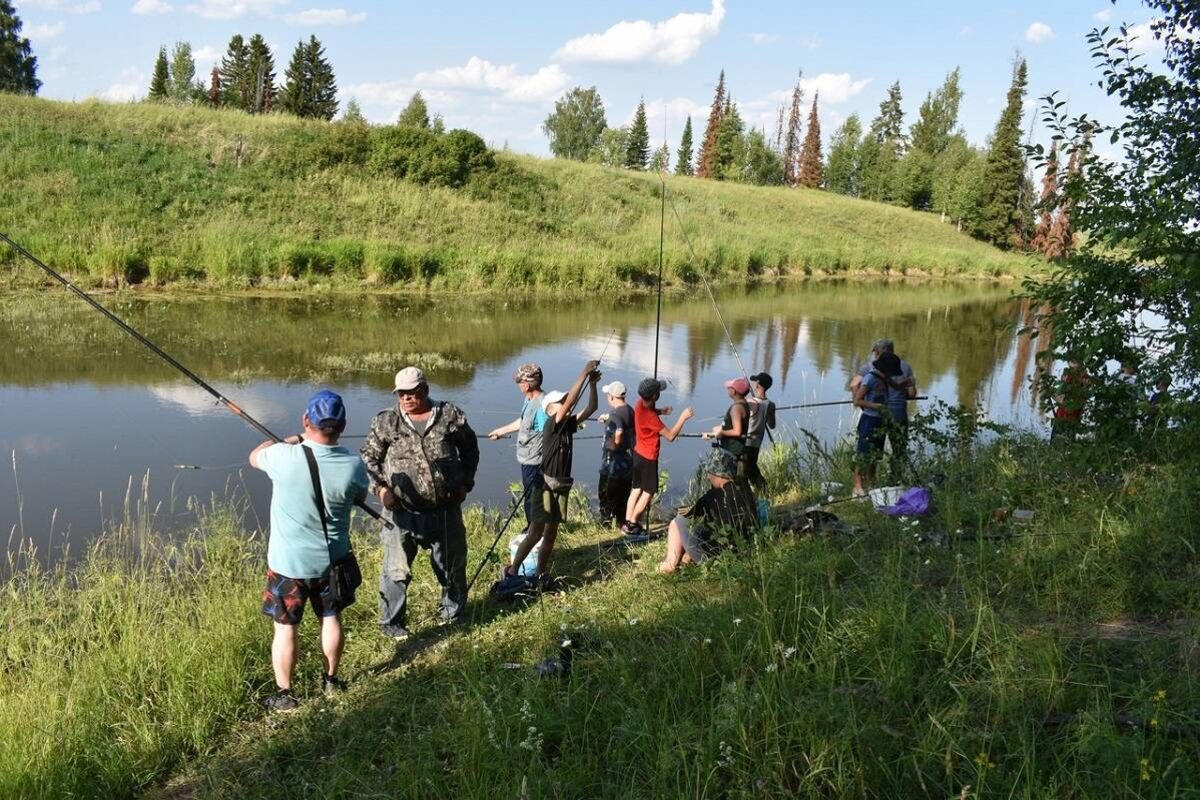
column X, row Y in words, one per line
column 145, row 193
column 955, row 656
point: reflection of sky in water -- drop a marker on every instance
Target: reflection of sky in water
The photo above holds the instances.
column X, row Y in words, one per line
column 78, row 445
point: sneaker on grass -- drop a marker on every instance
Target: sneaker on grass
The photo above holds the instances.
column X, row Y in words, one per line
column 283, row 700
column 397, row 632
column 332, row 685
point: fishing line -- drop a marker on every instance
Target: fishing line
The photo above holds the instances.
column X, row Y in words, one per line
column 832, row 403
column 158, row 351
column 711, row 297
column 207, row 467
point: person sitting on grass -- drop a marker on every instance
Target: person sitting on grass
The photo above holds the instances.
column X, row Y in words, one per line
column 648, row 426
column 301, row 549
column 724, row 517
column 550, row 503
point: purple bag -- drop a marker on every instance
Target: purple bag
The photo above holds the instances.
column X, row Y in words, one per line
column 913, row 503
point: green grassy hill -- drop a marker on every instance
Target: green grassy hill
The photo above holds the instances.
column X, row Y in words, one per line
column 130, row 193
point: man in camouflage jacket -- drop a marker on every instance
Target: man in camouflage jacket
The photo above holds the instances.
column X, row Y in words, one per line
column 422, row 458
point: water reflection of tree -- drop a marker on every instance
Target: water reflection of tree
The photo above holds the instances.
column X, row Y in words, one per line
column 942, row 329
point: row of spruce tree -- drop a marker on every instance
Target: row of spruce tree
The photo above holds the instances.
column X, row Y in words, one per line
column 930, row 166
column 245, row 79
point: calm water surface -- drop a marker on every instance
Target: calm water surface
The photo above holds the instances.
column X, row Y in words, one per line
column 91, row 417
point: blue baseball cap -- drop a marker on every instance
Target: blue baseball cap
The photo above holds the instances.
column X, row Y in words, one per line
column 326, row 408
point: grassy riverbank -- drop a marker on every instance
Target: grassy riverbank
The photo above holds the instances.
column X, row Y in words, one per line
column 954, row 657
column 179, row 196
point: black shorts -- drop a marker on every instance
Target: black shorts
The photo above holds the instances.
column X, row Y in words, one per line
column 284, row 598
column 645, row 474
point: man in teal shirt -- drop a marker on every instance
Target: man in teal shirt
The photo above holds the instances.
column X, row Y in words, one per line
column 298, row 556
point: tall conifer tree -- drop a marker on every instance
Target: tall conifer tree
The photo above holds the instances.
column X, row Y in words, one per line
column 1048, row 201
column 160, row 81
column 637, row 146
column 1001, row 218
column 810, row 175
column 1060, row 241
column 791, row 141
column 311, row 89
column 260, row 74
column 683, row 158
column 18, row 64
column 235, row 74
column 708, row 147
column 214, row 88
column 730, row 145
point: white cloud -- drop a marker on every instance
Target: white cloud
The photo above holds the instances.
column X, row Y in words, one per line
column 150, row 7
column 1039, row 32
column 674, row 112
column 206, row 58
column 130, row 85
column 672, row 41
column 327, row 16
column 503, row 79
column 835, row 87
column 45, row 31
column 1142, row 39
column 761, row 39
column 966, row 30
column 1103, row 15
column 233, row 9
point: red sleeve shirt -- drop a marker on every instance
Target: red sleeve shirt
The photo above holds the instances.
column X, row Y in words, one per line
column 648, row 424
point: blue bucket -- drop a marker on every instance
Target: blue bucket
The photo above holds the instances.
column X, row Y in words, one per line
column 528, row 568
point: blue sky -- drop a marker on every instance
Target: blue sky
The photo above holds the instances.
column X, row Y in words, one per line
column 497, row 68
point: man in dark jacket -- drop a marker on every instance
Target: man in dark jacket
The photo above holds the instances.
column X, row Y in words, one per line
column 422, row 457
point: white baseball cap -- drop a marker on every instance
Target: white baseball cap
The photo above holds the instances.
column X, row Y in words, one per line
column 550, row 398
column 614, row 389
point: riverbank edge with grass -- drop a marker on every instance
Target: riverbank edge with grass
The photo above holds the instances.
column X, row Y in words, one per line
column 961, row 655
column 144, row 193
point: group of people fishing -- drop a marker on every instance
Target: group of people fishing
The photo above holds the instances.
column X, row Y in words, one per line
column 420, row 459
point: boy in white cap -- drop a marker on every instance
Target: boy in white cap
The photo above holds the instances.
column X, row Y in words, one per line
column 616, row 464
column 549, row 506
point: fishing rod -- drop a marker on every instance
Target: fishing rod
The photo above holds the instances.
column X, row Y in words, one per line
column 165, row 356
column 662, row 225
column 832, row 403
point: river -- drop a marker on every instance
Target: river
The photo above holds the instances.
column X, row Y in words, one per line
column 95, row 425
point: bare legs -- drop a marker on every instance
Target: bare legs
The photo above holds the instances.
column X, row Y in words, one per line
column 676, row 552
column 546, row 533
column 639, row 501
column 283, row 649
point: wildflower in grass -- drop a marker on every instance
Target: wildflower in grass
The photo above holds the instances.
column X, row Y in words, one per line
column 708, row 641
column 634, row 621
column 789, row 652
column 1146, row 769
column 737, row 620
column 771, row 667
column 1160, row 696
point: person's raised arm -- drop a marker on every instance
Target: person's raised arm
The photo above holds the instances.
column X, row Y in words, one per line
column 254, row 462
column 592, row 402
column 672, row 433
column 572, row 397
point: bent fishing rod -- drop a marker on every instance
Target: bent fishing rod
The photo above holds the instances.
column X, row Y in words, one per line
column 164, row 355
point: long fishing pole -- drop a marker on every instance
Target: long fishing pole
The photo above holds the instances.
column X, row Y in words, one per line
column 832, row 403
column 165, row 356
column 662, row 225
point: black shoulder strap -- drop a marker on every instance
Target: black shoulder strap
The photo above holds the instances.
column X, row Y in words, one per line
column 318, row 493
